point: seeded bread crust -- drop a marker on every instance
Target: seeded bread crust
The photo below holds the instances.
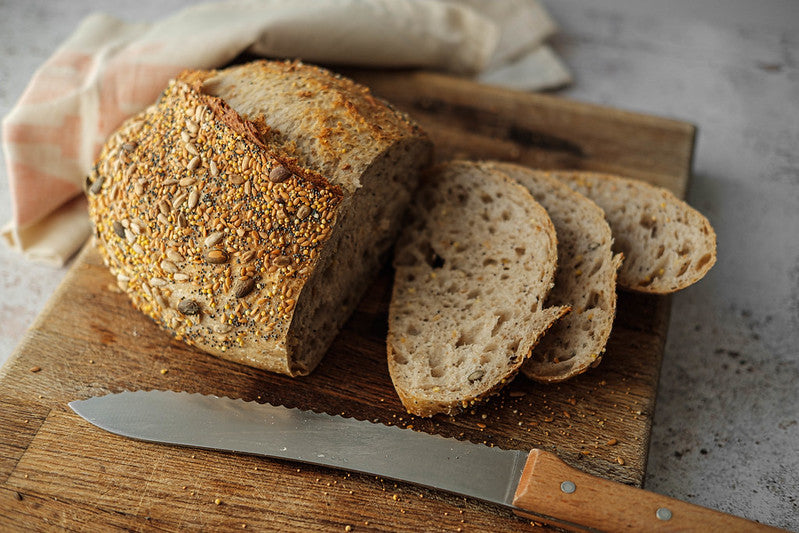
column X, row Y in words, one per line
column 667, row 244
column 585, row 279
column 473, row 268
column 219, row 225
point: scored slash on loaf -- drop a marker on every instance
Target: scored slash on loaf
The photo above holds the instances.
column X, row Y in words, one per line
column 248, row 210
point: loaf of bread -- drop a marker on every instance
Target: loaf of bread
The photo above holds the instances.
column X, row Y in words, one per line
column 667, row 244
column 247, row 210
column 585, row 279
column 473, row 268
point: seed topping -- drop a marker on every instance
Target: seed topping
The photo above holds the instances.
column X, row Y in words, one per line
column 189, row 307
column 216, row 256
column 279, row 174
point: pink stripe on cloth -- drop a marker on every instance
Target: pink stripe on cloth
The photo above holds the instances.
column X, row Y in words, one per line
column 63, row 135
column 43, row 193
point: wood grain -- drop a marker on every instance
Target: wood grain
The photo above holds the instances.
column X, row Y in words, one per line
column 57, row 470
column 609, row 506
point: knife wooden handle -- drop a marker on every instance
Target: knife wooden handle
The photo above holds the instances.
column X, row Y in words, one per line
column 575, row 500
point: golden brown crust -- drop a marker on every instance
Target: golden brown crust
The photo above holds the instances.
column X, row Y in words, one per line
column 199, row 236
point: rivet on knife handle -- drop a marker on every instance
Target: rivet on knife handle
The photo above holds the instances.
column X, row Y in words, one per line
column 568, row 497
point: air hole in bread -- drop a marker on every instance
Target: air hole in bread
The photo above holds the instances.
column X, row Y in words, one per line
column 647, row 221
column 412, row 330
column 592, row 300
column 505, row 215
column 503, row 277
column 513, row 346
column 437, row 372
column 684, row 268
column 474, row 293
column 399, row 359
column 501, row 319
column 705, row 259
column 488, row 261
column 661, row 250
column 484, row 216
column 486, row 198
column 520, row 251
column 685, row 249
column 492, row 230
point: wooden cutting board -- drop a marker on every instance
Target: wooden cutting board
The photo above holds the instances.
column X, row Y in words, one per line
column 58, row 470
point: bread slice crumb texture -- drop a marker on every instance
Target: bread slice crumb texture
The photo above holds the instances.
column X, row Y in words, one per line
column 473, row 268
column 667, row 244
column 585, row 279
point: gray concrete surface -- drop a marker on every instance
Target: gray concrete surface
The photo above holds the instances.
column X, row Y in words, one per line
column 726, row 429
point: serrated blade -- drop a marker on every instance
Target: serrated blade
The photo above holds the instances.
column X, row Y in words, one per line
column 219, row 423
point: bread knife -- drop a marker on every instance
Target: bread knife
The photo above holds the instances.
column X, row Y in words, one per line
column 535, row 484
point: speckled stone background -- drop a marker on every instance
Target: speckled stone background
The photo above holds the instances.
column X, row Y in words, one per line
column 726, row 431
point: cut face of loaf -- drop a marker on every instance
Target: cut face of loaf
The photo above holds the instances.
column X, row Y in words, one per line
column 249, row 209
column 473, row 268
column 667, row 244
column 585, row 279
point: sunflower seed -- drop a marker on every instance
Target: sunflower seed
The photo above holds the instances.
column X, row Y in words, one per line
column 129, row 147
column 97, row 185
column 279, row 174
column 281, row 261
column 189, row 307
column 192, row 149
column 182, row 221
column 168, row 266
column 129, row 172
column 122, row 277
column 194, row 198
column 184, row 135
column 178, row 200
column 158, row 282
column 174, row 255
column 236, row 179
column 477, row 374
column 129, row 236
column 247, row 256
column 216, row 256
column 163, row 207
column 119, row 229
column 193, row 164
column 180, row 276
column 135, row 228
column 303, row 212
column 244, row 287
column 214, row 238
column 192, row 126
column 214, row 168
column 162, row 219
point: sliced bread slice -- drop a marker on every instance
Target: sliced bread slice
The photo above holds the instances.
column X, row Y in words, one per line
column 667, row 244
column 585, row 279
column 473, row 269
